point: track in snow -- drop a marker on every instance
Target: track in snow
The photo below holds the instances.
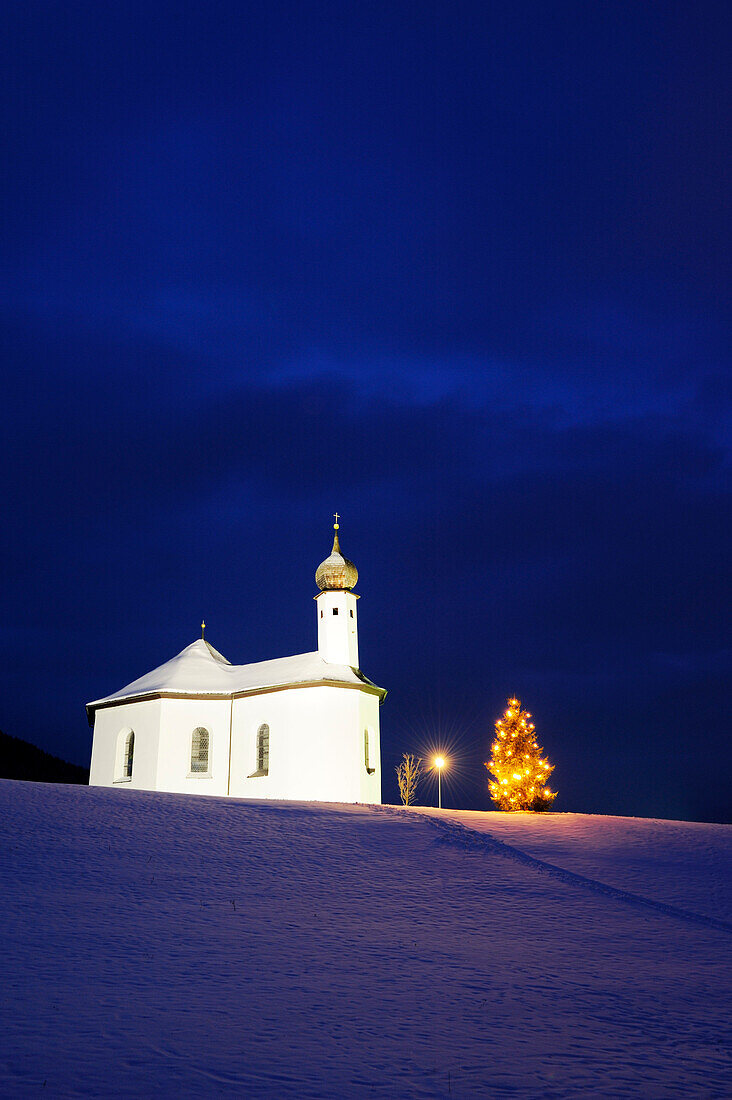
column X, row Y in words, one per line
column 454, row 832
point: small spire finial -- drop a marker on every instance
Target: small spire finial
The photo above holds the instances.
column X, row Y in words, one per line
column 203, row 627
column 336, row 517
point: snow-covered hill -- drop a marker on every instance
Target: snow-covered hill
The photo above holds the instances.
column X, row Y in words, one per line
column 162, row 944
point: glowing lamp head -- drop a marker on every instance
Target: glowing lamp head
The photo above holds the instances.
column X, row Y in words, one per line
column 439, row 761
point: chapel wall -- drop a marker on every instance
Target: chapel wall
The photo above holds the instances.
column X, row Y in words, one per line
column 179, row 718
column 370, row 784
column 315, row 745
column 143, row 718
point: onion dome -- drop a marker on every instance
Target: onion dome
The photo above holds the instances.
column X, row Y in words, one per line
column 336, row 572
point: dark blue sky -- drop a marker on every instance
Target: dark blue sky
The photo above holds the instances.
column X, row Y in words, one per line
column 455, row 270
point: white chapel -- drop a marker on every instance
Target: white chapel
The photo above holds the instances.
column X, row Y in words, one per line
column 303, row 727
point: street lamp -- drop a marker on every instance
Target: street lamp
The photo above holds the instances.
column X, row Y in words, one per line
column 439, row 764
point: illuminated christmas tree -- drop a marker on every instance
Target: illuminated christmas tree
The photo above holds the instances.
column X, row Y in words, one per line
column 519, row 771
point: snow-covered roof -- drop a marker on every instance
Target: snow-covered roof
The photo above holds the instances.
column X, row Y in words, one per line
column 199, row 669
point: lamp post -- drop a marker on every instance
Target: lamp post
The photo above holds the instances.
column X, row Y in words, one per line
column 439, row 764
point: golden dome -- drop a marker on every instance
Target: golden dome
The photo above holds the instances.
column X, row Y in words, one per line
column 336, row 572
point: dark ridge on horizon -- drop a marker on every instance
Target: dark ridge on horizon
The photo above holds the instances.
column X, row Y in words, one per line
column 24, row 761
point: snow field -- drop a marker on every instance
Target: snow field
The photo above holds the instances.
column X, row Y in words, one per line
column 159, row 944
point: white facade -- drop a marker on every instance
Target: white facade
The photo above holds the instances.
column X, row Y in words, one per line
column 303, row 727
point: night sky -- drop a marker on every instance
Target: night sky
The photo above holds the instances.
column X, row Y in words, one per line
column 455, row 270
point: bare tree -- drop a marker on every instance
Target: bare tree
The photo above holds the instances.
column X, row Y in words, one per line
column 408, row 774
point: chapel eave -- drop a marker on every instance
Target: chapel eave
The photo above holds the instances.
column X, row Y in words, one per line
column 365, row 685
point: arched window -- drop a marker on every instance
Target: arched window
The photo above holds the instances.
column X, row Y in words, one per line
column 125, row 754
column 200, row 745
column 367, row 751
column 262, row 752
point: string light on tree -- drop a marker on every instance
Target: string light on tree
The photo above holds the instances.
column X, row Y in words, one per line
column 519, row 771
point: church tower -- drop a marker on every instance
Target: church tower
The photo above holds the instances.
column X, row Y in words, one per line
column 336, row 604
